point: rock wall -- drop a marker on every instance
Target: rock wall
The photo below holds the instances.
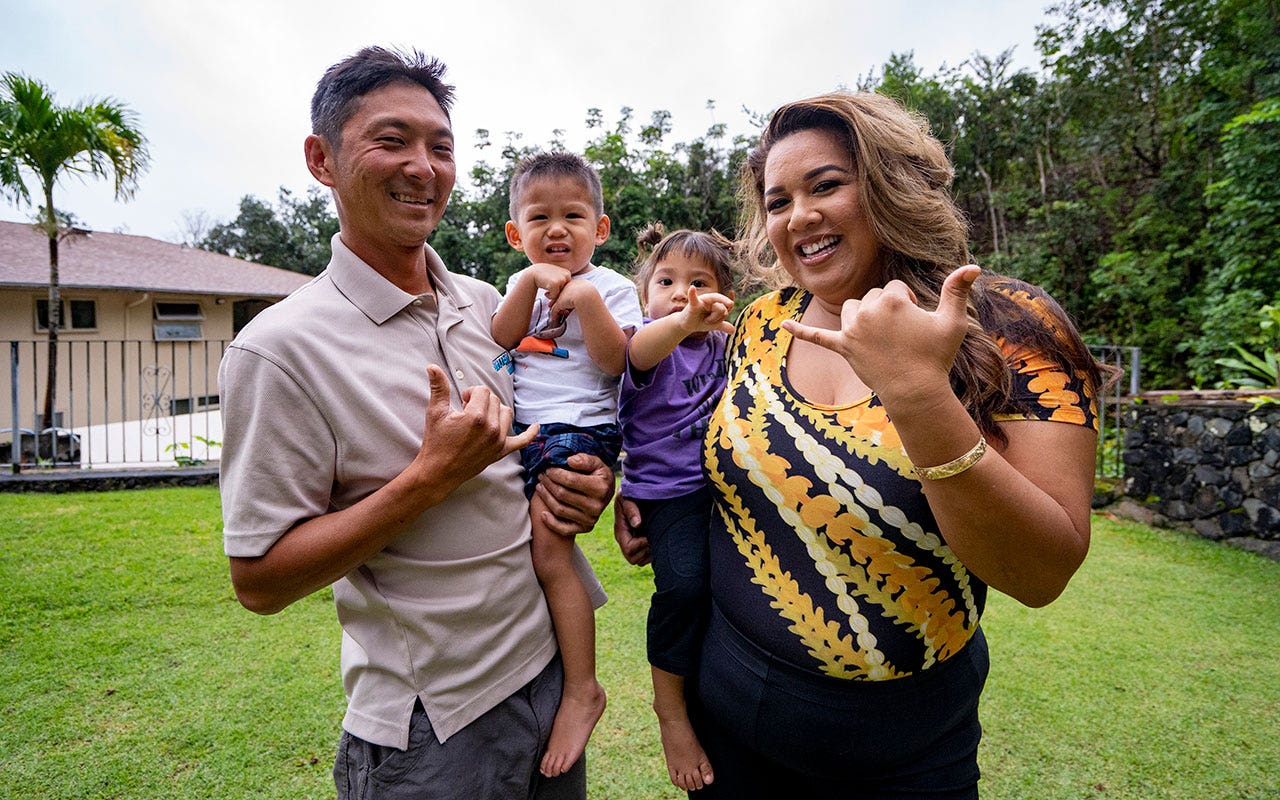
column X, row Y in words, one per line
column 1212, row 465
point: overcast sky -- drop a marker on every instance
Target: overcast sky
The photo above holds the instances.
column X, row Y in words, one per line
column 222, row 87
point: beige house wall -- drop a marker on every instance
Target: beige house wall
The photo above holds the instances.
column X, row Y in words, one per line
column 116, row 372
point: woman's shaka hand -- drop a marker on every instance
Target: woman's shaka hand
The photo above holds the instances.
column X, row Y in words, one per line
column 896, row 347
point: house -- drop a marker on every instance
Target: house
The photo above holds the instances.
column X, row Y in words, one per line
column 144, row 323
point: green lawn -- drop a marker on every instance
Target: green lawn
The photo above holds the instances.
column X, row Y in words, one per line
column 129, row 670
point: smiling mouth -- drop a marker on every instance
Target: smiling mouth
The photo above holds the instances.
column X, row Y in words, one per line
column 818, row 247
column 410, row 199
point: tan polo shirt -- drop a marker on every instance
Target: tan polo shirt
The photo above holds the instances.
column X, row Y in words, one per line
column 324, row 399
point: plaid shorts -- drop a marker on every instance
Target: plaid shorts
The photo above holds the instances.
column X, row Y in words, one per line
column 556, row 441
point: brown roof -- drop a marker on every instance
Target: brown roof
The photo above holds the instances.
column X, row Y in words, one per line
column 95, row 260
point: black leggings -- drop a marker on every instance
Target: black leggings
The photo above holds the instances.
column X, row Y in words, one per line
column 677, row 530
column 773, row 730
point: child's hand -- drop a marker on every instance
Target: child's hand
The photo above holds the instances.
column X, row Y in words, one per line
column 571, row 296
column 706, row 312
column 551, row 278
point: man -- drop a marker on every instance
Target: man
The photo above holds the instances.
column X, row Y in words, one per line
column 331, row 476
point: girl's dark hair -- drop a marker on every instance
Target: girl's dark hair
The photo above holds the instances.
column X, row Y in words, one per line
column 903, row 178
column 654, row 245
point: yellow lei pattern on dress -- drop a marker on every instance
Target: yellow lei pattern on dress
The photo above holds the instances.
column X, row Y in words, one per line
column 879, row 570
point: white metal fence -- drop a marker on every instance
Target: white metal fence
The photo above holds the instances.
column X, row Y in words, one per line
column 134, row 403
column 118, row 403
column 1128, row 360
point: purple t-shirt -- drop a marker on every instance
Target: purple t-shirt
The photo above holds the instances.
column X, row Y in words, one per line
column 664, row 413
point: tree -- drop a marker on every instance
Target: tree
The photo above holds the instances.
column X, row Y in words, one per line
column 1243, row 233
column 193, row 226
column 100, row 138
column 293, row 235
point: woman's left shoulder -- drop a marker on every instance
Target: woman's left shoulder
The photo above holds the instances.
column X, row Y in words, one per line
column 1052, row 371
column 1013, row 301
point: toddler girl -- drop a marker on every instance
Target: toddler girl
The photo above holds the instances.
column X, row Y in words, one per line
column 673, row 379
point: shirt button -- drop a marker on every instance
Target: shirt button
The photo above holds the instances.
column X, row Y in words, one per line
column 417, row 302
column 457, row 373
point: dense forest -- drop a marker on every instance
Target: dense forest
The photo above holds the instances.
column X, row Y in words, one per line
column 1134, row 176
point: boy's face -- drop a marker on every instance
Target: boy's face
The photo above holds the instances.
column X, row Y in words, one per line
column 557, row 223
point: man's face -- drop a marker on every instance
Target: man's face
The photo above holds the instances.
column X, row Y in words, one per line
column 393, row 171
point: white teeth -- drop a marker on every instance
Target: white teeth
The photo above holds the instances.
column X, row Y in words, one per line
column 404, row 198
column 810, row 249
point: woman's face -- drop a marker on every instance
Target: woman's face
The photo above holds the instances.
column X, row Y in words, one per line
column 814, row 217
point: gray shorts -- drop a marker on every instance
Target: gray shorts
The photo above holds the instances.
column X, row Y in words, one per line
column 494, row 758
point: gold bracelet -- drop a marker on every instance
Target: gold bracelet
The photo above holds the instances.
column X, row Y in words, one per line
column 955, row 467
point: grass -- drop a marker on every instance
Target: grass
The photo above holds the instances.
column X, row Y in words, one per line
column 128, row 669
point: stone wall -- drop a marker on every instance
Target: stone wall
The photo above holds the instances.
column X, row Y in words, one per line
column 1211, row 464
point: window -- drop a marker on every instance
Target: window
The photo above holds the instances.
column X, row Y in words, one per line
column 242, row 311
column 186, row 405
column 77, row 315
column 178, row 321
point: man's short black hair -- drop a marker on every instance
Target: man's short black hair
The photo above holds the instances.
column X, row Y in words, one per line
column 346, row 82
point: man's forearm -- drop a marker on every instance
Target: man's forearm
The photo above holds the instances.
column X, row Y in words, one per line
column 315, row 553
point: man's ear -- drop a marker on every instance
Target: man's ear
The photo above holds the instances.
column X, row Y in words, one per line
column 513, row 236
column 319, row 159
column 602, row 230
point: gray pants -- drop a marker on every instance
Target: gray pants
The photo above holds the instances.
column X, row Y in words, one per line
column 494, row 758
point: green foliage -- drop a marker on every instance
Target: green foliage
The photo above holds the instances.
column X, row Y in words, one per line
column 293, row 235
column 1243, row 234
column 182, row 454
column 1254, row 371
column 99, row 138
column 1090, row 179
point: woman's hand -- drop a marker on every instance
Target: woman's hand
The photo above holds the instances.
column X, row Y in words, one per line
column 900, row 350
column 626, row 518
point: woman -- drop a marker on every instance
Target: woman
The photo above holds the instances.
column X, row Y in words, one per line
column 897, row 434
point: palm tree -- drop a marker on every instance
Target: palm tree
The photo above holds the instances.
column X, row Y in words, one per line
column 100, row 138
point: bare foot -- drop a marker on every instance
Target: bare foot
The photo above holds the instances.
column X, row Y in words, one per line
column 686, row 761
column 579, row 712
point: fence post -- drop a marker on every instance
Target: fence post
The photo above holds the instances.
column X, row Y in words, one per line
column 15, row 449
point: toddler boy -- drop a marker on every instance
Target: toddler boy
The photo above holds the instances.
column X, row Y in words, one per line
column 566, row 323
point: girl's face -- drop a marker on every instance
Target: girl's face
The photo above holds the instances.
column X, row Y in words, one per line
column 815, row 220
column 667, row 290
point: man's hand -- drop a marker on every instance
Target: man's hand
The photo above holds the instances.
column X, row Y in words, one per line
column 626, row 518
column 576, row 496
column 458, row 445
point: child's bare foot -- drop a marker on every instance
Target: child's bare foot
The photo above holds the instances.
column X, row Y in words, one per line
column 686, row 761
column 579, row 712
